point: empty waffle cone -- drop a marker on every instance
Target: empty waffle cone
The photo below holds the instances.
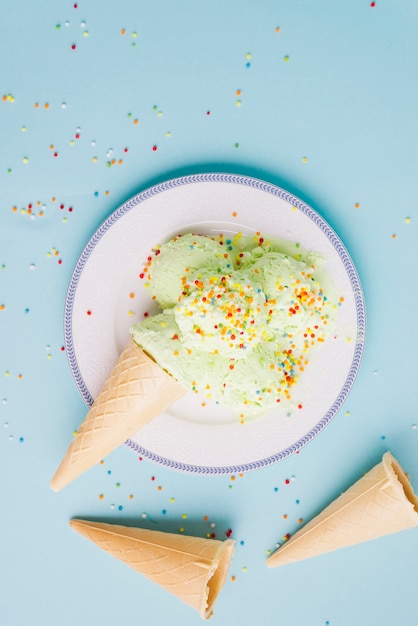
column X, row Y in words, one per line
column 192, row 568
column 136, row 391
column 381, row 503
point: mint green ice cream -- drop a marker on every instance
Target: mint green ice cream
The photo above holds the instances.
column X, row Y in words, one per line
column 238, row 318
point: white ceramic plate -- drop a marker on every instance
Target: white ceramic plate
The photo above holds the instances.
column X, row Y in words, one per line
column 106, row 295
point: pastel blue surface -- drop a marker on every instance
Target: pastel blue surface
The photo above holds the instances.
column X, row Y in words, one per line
column 326, row 109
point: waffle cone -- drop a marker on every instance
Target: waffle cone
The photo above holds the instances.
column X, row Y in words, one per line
column 381, row 503
column 136, row 391
column 192, row 568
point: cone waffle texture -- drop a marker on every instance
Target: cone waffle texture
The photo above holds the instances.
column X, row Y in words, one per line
column 136, row 391
column 192, row 568
column 380, row 503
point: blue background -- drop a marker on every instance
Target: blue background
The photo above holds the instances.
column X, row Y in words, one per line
column 327, row 110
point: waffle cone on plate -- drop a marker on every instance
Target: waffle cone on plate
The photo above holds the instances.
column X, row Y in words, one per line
column 136, row 391
column 381, row 503
column 192, row 568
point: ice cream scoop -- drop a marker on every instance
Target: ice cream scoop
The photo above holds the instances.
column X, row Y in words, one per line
column 238, row 333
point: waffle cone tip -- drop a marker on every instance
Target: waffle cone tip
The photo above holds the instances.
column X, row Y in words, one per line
column 136, row 391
